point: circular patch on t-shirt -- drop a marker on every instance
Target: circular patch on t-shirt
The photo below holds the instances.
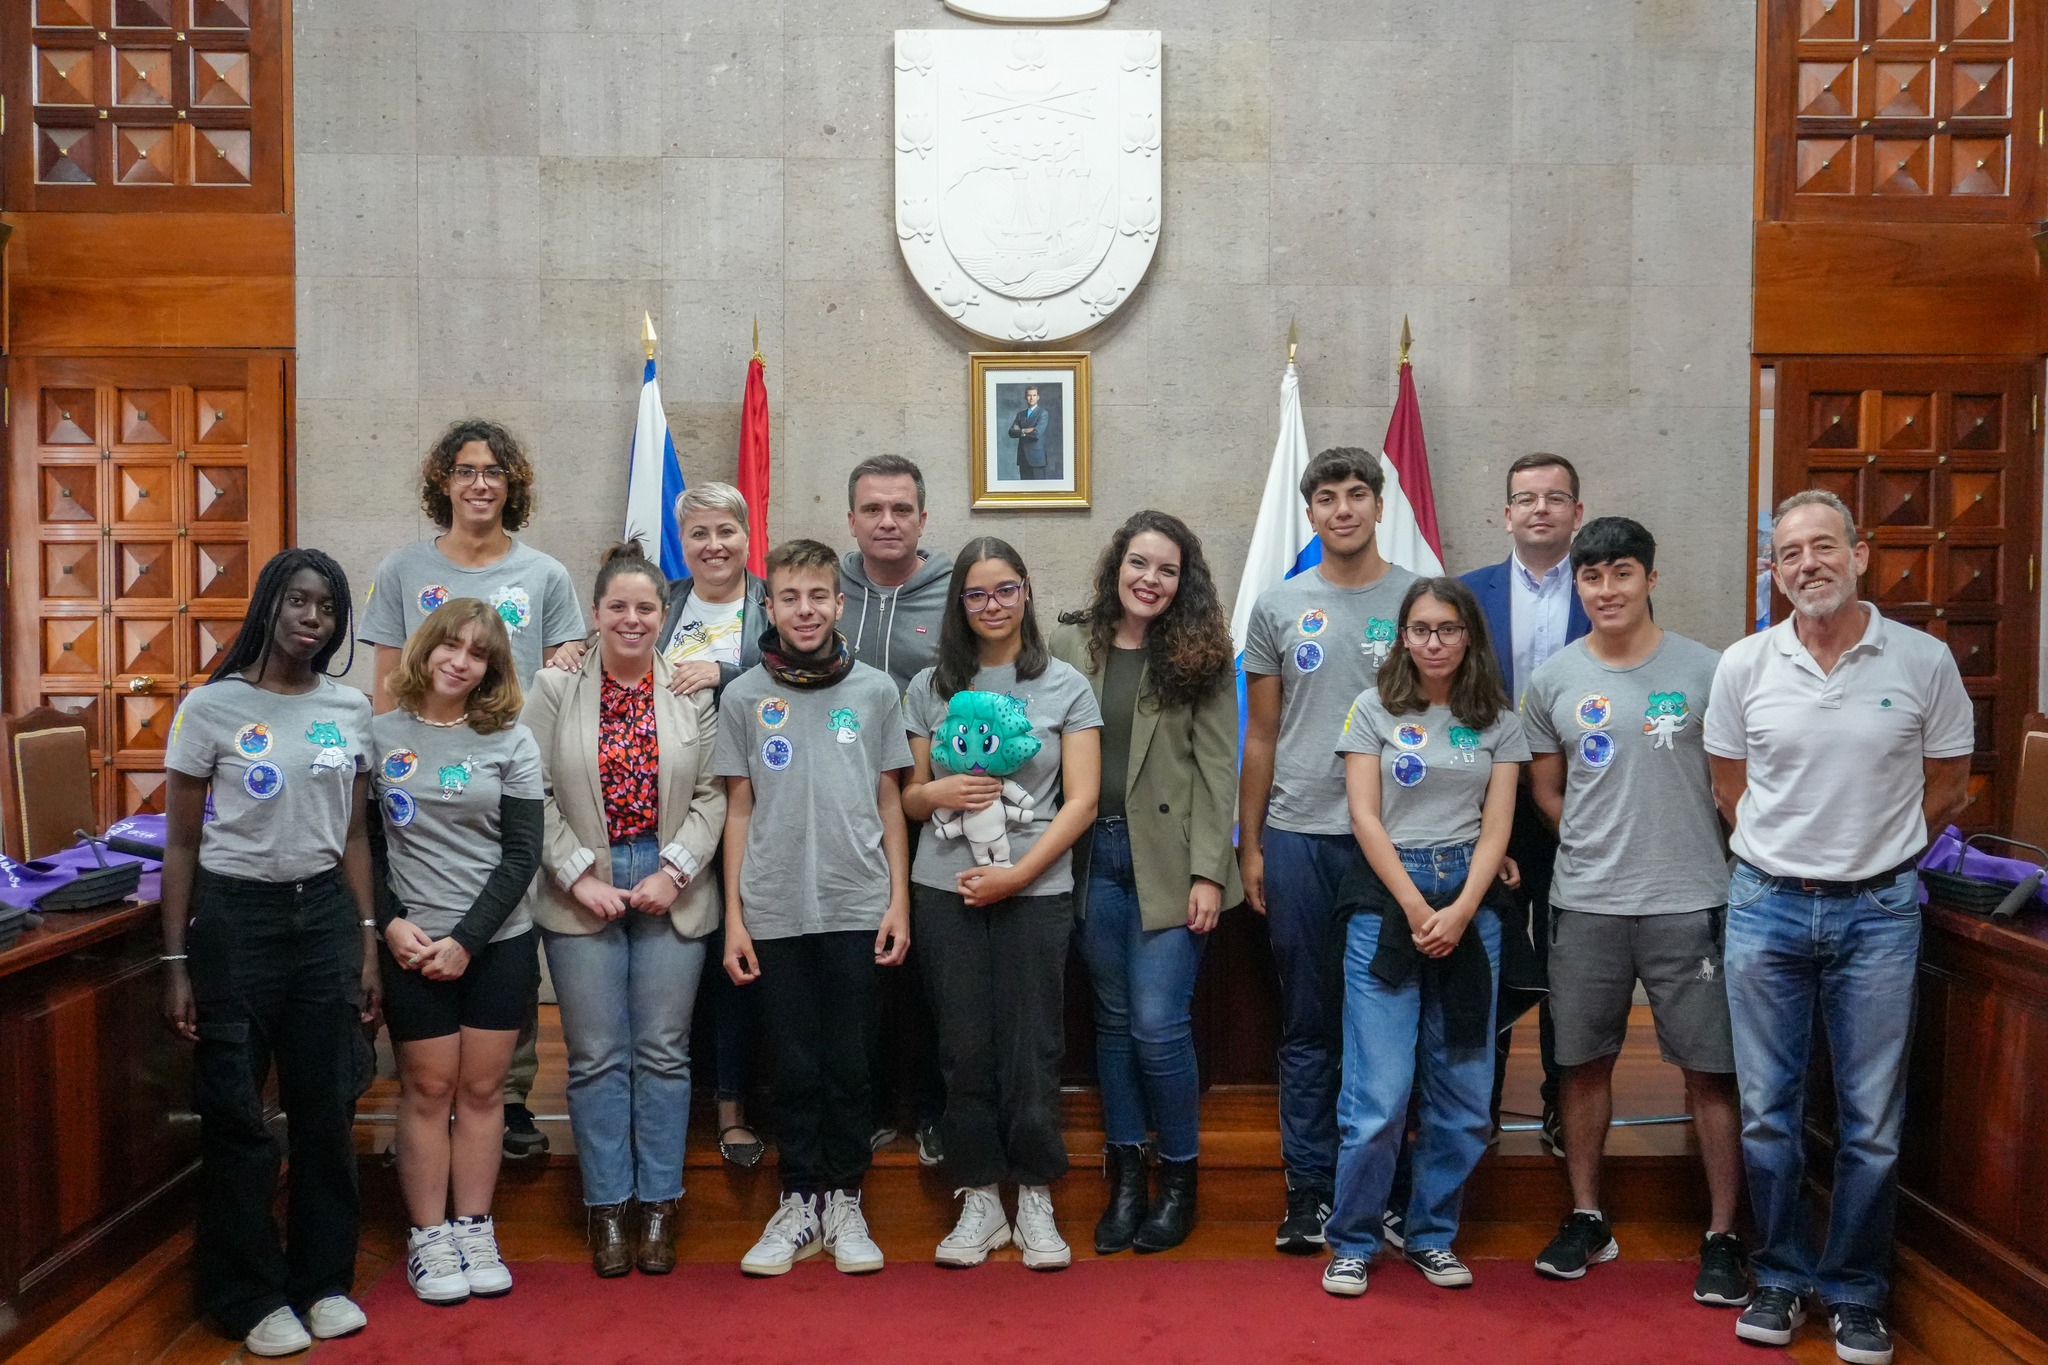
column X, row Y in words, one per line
column 1312, row 621
column 1308, row 656
column 776, row 751
column 1596, row 748
column 773, row 711
column 1410, row 769
column 1593, row 712
column 432, row 596
column 399, row 807
column 262, row 780
column 399, row 764
column 1411, row 736
column 253, row 740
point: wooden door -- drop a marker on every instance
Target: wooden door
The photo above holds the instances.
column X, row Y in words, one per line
column 1939, row 460
column 144, row 496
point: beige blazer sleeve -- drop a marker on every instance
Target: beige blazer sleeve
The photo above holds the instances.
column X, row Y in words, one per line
column 564, row 856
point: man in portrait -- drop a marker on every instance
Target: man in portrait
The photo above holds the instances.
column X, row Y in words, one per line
column 1038, row 450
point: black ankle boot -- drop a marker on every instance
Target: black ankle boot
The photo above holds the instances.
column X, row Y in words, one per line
column 1124, row 1164
column 1173, row 1217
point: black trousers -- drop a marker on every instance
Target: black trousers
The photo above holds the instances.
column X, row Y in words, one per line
column 818, row 1003
column 277, row 975
column 1533, row 846
column 903, row 1064
column 997, row 977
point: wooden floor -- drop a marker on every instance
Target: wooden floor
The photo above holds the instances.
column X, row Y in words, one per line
column 1512, row 1207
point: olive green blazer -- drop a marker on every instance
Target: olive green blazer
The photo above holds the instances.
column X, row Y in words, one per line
column 1180, row 796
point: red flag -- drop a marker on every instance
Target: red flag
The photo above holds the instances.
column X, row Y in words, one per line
column 753, row 471
column 1406, row 451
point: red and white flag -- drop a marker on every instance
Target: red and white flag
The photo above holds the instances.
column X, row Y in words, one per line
column 1408, row 535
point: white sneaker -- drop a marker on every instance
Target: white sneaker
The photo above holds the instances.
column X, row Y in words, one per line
column 1044, row 1248
column 792, row 1234
column 279, row 1334
column 433, row 1265
column 482, row 1266
column 846, row 1234
column 981, row 1229
column 335, row 1316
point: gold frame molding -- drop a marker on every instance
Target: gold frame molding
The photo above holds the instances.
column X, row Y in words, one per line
column 983, row 364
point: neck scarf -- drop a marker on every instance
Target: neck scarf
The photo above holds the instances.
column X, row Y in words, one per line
column 806, row 671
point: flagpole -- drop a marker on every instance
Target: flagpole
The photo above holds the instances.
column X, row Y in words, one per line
column 757, row 342
column 1406, row 342
column 647, row 337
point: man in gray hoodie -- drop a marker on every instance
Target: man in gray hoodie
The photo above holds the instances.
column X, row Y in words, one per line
column 895, row 592
column 895, row 599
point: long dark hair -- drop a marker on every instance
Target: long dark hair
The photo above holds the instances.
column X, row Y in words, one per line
column 1477, row 694
column 259, row 628
column 959, row 646
column 1187, row 650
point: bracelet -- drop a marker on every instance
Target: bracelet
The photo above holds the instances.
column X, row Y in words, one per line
column 172, row 957
column 367, row 923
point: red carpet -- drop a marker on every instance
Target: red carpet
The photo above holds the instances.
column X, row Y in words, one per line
column 1119, row 1312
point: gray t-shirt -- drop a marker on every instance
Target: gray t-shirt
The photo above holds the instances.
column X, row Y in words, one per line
column 282, row 769
column 814, row 861
column 530, row 591
column 1640, row 834
column 1433, row 770
column 1326, row 645
column 1056, row 701
column 439, row 788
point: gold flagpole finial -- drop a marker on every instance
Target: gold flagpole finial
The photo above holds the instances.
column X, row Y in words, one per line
column 1293, row 340
column 1406, row 340
column 757, row 341
column 647, row 337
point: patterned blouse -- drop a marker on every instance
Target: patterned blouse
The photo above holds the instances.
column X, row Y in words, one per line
column 628, row 758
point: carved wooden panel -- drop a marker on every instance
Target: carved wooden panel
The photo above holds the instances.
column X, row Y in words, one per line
column 156, row 105
column 144, row 498
column 1902, row 109
column 1939, row 461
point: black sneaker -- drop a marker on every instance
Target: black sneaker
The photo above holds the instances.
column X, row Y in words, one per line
column 1723, row 1280
column 1583, row 1239
column 930, row 1151
column 1392, row 1227
column 1440, row 1267
column 1772, row 1317
column 1301, row 1231
column 1553, row 1132
column 1860, row 1335
column 522, row 1138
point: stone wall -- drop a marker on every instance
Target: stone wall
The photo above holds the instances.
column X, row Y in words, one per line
column 489, row 193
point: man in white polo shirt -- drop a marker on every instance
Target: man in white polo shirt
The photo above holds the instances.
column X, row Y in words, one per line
column 1838, row 741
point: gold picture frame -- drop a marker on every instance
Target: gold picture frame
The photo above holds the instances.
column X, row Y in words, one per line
column 1022, row 465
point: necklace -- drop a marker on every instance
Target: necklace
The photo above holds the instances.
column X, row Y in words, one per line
column 441, row 724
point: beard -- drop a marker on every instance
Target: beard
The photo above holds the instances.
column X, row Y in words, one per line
column 1824, row 597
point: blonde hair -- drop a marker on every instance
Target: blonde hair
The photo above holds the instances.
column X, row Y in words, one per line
column 494, row 703
column 712, row 497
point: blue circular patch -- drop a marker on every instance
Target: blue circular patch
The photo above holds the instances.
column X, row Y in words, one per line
column 1410, row 769
column 1308, row 656
column 1593, row 711
column 432, row 597
column 400, row 764
column 399, row 807
column 776, row 751
column 1596, row 748
column 262, row 780
column 253, row 740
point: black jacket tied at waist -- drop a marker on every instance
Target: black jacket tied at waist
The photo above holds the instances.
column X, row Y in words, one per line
column 1462, row 979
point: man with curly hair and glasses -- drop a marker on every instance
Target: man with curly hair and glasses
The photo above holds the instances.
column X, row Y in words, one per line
column 477, row 485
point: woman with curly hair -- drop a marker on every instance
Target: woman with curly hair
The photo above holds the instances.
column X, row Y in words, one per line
column 477, row 486
column 1156, row 869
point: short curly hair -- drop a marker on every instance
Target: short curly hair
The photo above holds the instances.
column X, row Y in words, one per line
column 436, row 469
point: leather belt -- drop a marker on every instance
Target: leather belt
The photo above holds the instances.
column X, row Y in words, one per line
column 1814, row 886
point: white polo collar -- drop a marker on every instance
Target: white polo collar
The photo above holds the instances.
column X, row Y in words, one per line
column 1875, row 630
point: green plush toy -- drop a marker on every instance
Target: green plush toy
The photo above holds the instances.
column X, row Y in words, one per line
column 985, row 734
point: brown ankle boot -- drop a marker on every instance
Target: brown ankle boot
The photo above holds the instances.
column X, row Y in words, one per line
column 655, row 1250
column 610, row 1255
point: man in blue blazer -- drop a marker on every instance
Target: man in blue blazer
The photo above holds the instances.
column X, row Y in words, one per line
column 1032, row 430
column 1532, row 611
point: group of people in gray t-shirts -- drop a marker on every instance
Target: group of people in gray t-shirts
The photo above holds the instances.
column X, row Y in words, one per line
column 781, row 781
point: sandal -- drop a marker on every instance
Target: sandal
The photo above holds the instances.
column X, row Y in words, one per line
column 744, row 1154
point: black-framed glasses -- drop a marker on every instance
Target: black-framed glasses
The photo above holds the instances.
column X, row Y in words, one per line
column 492, row 474
column 1557, row 500
column 1450, row 632
column 976, row 600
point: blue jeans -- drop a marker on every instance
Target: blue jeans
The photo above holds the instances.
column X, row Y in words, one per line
column 1303, row 872
column 1144, row 987
column 1855, row 957
column 626, row 993
column 1390, row 1032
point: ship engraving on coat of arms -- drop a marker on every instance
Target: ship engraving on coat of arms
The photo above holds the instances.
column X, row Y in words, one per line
column 1028, row 174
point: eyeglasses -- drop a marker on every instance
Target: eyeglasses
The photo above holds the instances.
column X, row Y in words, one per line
column 492, row 474
column 1418, row 634
column 976, row 600
column 1556, row 500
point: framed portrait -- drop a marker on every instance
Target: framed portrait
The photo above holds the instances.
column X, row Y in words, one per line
column 1030, row 429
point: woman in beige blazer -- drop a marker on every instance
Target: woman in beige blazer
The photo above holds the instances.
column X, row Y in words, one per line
column 1155, row 871
column 624, row 902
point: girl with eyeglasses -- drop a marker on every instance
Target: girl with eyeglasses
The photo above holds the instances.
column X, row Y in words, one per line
column 995, row 934
column 1431, row 758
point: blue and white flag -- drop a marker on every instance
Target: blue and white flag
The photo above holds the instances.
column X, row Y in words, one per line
column 1282, row 543
column 654, row 484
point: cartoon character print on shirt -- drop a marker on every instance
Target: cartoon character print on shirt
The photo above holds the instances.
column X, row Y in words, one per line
column 513, row 606
column 1664, row 717
column 1464, row 744
column 844, row 724
column 454, row 779
column 986, row 734
column 1379, row 639
column 325, row 736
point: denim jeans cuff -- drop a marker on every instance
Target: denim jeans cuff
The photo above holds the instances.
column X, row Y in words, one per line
column 1833, row 1303
column 1766, row 1280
